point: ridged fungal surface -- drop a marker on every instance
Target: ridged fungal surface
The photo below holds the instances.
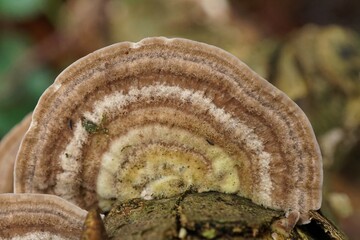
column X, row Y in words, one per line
column 9, row 147
column 162, row 116
column 39, row 216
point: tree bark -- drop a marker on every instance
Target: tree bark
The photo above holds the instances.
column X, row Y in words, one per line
column 209, row 215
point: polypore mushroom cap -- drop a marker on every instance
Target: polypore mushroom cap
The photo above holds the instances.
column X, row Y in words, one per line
column 9, row 147
column 158, row 117
column 39, row 216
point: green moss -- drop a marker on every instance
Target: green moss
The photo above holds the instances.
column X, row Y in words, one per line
column 90, row 126
column 209, row 233
column 93, row 128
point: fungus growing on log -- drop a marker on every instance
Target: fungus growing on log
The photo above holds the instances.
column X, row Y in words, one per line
column 156, row 118
column 9, row 147
column 39, row 216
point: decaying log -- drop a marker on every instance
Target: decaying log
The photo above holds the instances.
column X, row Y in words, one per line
column 210, row 215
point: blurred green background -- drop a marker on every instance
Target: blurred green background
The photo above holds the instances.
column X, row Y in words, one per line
column 40, row 38
column 308, row 49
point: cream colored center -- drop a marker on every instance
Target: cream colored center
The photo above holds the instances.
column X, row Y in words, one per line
column 176, row 162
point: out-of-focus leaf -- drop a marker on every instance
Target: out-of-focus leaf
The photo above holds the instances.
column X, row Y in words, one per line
column 24, row 99
column 12, row 47
column 21, row 9
column 38, row 81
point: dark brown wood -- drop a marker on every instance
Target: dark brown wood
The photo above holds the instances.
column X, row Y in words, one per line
column 207, row 216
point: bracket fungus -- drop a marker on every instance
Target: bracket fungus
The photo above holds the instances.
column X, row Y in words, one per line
column 39, row 216
column 9, row 147
column 156, row 118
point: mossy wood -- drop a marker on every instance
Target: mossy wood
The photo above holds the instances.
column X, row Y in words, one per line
column 209, row 215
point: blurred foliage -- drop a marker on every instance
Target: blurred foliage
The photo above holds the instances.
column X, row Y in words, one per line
column 18, row 97
column 21, row 9
column 294, row 44
column 40, row 38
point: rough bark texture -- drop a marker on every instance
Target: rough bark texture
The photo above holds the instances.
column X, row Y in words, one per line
column 206, row 216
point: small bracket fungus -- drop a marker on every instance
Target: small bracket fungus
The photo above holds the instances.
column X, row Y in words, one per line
column 179, row 115
column 9, row 147
column 39, row 216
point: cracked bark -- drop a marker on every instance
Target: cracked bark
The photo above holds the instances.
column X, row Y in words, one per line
column 206, row 216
